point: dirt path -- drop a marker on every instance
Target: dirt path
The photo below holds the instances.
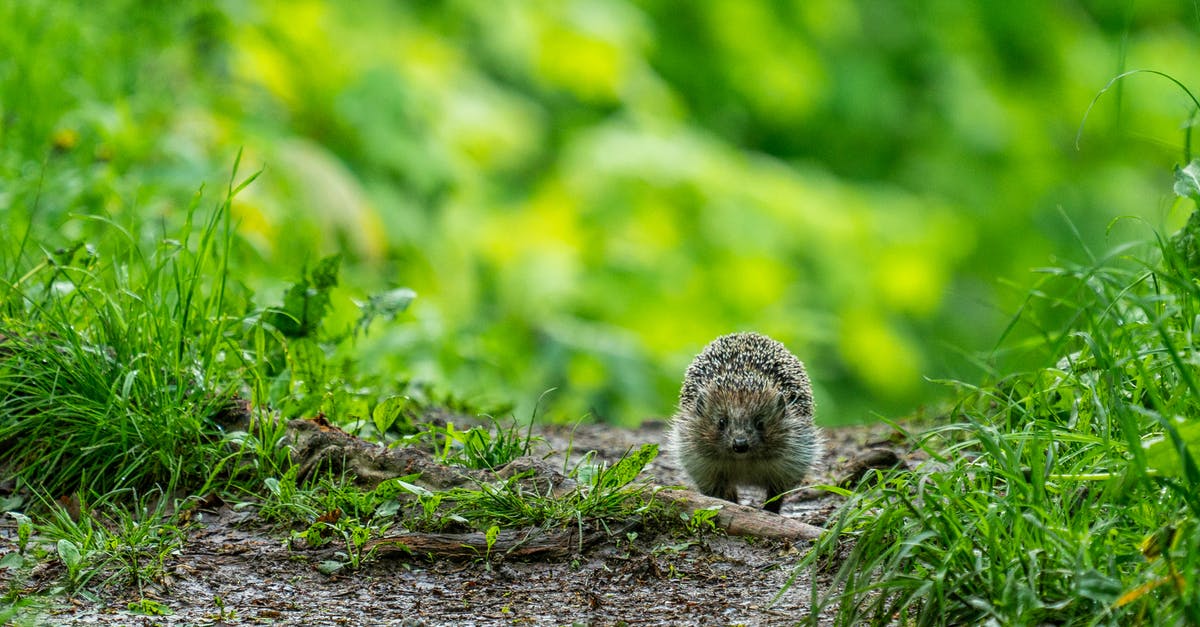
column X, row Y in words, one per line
column 231, row 572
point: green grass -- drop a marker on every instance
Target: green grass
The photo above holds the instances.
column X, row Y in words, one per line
column 1066, row 494
column 330, row 510
column 127, row 545
column 603, row 493
column 115, row 356
column 120, row 358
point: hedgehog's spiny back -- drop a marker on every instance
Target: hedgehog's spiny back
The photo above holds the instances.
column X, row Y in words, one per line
column 748, row 360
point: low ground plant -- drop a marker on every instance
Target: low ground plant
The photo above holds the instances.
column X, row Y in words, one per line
column 120, row 540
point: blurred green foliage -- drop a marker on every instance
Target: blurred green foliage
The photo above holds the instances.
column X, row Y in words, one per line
column 584, row 192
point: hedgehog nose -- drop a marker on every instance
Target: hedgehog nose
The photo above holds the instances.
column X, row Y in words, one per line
column 741, row 445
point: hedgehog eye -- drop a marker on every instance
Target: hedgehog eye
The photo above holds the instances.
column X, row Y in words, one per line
column 722, row 423
column 759, row 423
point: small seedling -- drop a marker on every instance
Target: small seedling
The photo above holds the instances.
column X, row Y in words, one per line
column 148, row 607
column 223, row 613
column 24, row 530
column 492, row 534
column 703, row 520
column 73, row 559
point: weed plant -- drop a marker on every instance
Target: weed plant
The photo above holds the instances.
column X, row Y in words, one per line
column 479, row 447
column 124, row 537
column 1063, row 495
column 602, row 493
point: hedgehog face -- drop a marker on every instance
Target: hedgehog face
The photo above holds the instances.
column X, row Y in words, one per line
column 739, row 421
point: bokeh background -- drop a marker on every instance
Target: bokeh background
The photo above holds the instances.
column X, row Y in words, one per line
column 584, row 192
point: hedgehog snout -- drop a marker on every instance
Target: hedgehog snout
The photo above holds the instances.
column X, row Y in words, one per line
column 741, row 435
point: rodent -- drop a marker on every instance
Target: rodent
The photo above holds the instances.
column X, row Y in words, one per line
column 746, row 418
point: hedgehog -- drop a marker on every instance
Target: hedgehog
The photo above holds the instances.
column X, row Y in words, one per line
column 745, row 418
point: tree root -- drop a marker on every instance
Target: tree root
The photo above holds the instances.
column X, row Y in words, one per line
column 318, row 446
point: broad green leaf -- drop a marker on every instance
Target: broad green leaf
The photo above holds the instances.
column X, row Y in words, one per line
column 493, row 532
column 329, row 567
column 1166, row 459
column 1094, row 585
column 23, row 521
column 12, row 560
column 69, row 553
column 1187, row 180
column 628, row 467
column 386, row 412
column 413, row 488
column 387, row 305
column 387, row 509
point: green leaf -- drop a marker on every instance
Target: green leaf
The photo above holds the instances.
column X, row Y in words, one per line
column 127, row 386
column 413, row 488
column 24, row 529
column 1163, row 455
column 1187, row 180
column 391, row 302
column 69, row 554
column 1094, row 585
column 325, row 275
column 387, row 305
column 387, row 509
column 629, row 467
column 330, row 567
column 307, row 301
column 490, row 536
column 387, row 412
column 11, row 502
column 307, row 360
column 148, row 607
column 12, row 560
column 23, row 521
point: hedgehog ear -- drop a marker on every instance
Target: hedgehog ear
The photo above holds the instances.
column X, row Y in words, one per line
column 781, row 403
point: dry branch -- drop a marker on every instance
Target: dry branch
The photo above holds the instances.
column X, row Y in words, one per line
column 741, row 520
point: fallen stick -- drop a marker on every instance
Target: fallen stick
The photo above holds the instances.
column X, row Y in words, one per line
column 742, row 520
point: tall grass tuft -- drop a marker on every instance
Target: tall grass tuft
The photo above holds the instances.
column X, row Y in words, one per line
column 1065, row 495
column 114, row 357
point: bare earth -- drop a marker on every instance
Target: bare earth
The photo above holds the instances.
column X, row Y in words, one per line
column 233, row 571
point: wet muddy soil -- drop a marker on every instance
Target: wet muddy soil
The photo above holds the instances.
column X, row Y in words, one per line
column 231, row 570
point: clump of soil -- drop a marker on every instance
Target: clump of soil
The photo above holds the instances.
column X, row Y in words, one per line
column 234, row 570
